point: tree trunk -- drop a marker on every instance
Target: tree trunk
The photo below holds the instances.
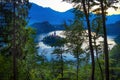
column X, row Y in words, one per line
column 102, row 76
column 62, row 65
column 77, row 65
column 90, row 39
column 14, row 46
column 105, row 43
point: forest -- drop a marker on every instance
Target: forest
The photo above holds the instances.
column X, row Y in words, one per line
column 19, row 58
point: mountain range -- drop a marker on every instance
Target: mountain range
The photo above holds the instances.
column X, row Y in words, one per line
column 46, row 27
column 113, row 29
column 40, row 14
column 46, row 20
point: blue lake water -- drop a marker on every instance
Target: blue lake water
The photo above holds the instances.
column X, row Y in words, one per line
column 47, row 50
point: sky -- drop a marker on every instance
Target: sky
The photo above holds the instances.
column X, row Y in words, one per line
column 59, row 5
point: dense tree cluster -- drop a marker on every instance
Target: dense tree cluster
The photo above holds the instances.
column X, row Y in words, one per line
column 53, row 40
column 16, row 40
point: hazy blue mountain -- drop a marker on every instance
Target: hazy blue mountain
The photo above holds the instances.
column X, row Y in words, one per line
column 113, row 29
column 45, row 27
column 46, row 20
column 40, row 14
column 113, row 19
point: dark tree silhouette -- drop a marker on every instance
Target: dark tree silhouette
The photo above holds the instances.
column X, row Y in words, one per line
column 86, row 9
column 15, row 13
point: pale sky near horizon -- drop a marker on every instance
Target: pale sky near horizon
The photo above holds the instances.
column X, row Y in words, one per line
column 59, row 5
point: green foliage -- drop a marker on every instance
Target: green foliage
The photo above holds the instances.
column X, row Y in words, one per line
column 115, row 62
column 31, row 66
column 97, row 26
column 15, row 37
column 74, row 35
column 5, row 68
column 53, row 40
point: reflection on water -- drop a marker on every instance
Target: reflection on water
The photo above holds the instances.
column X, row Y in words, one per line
column 47, row 50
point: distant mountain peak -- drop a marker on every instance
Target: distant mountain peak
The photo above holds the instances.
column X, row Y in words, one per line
column 40, row 14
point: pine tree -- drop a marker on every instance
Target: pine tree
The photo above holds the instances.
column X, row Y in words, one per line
column 14, row 31
column 84, row 5
column 74, row 38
